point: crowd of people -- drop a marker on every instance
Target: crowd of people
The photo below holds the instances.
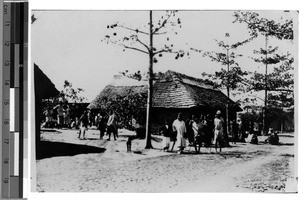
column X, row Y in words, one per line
column 205, row 131
column 193, row 132
column 62, row 116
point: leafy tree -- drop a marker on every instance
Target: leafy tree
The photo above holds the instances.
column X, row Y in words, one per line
column 67, row 94
column 141, row 40
column 133, row 104
column 231, row 76
column 71, row 94
column 281, row 79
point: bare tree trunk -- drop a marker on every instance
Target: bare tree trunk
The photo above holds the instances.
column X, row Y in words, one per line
column 227, row 103
column 150, row 90
column 265, row 131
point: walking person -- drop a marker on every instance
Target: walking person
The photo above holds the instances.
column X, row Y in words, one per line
column 180, row 128
column 83, row 124
column 112, row 125
column 166, row 131
column 218, row 131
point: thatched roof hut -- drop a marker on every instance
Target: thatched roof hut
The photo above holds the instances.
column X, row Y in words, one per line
column 43, row 89
column 43, row 86
column 170, row 90
column 173, row 92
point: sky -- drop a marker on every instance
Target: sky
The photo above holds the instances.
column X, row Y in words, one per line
column 67, row 44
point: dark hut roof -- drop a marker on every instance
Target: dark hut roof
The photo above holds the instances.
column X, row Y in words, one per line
column 44, row 88
column 170, row 90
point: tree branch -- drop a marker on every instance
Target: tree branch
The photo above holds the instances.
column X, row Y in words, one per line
column 160, row 33
column 162, row 25
column 133, row 48
column 137, row 39
column 135, row 30
column 163, row 50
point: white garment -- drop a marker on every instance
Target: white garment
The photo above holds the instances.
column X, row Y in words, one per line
column 195, row 127
column 180, row 127
column 218, row 131
column 166, row 142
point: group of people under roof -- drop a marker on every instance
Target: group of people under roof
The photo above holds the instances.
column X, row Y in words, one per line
column 195, row 131
column 203, row 130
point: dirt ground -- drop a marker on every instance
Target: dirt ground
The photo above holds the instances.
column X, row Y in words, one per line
column 68, row 164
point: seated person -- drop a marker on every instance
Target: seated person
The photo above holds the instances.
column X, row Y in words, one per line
column 273, row 139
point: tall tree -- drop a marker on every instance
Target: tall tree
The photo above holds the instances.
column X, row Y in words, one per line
column 269, row 56
column 143, row 42
column 231, row 76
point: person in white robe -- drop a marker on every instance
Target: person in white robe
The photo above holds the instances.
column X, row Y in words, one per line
column 180, row 128
column 218, row 131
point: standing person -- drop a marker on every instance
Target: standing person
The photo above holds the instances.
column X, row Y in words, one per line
column 218, row 131
column 83, row 124
column 67, row 116
column 206, row 134
column 136, row 126
column 100, row 120
column 189, row 129
column 60, row 115
column 198, row 134
column 90, row 118
column 48, row 117
column 233, row 131
column 210, row 129
column 180, row 128
column 166, row 131
column 241, row 131
column 112, row 125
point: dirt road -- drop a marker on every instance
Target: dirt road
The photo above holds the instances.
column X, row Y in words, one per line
column 243, row 167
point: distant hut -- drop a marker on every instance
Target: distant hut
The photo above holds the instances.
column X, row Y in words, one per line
column 43, row 89
column 173, row 92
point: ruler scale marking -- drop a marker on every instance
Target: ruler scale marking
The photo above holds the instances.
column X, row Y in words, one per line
column 14, row 98
column 5, row 95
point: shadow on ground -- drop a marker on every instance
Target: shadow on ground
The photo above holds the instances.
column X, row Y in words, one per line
column 48, row 149
column 50, row 130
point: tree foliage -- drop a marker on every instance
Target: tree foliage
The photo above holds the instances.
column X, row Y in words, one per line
column 257, row 24
column 133, row 104
column 231, row 78
column 72, row 94
column 279, row 79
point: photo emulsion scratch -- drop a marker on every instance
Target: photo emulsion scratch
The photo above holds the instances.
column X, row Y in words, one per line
column 165, row 101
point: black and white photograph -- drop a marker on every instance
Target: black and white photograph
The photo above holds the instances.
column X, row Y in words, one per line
column 164, row 101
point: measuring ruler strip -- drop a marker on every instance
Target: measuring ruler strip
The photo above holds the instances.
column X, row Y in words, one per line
column 6, row 100
column 14, row 94
column 14, row 97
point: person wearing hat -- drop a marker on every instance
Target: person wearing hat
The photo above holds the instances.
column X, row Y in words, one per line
column 218, row 131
